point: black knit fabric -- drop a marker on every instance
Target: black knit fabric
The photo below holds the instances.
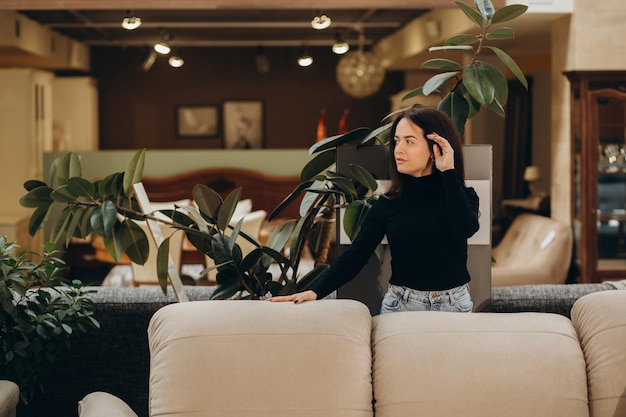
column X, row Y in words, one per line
column 427, row 230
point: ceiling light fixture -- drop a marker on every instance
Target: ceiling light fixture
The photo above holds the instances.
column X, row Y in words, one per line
column 360, row 74
column 131, row 21
column 340, row 46
column 262, row 60
column 320, row 21
column 162, row 46
column 305, row 59
column 176, row 61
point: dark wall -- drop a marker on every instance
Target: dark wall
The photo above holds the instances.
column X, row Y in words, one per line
column 137, row 108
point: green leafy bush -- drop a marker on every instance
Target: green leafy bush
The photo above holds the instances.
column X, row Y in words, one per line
column 40, row 315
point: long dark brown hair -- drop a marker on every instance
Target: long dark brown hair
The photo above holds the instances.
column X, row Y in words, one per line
column 430, row 120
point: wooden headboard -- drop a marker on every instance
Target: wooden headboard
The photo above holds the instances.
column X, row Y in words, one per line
column 266, row 191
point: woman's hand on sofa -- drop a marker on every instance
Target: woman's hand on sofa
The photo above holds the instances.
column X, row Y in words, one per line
column 297, row 298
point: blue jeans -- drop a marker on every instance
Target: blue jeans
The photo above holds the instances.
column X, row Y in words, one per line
column 399, row 298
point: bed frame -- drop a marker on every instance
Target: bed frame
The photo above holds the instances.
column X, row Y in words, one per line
column 266, row 191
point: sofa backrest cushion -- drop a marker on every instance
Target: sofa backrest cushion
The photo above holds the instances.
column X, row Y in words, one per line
column 479, row 364
column 600, row 320
column 259, row 358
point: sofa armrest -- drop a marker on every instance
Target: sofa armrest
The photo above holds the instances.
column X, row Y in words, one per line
column 600, row 320
column 103, row 404
column 9, row 397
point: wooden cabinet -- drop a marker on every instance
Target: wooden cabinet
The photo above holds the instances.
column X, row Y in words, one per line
column 598, row 127
column 25, row 133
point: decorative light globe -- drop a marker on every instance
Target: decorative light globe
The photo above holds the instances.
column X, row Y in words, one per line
column 360, row 74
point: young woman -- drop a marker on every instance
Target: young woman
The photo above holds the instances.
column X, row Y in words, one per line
column 428, row 214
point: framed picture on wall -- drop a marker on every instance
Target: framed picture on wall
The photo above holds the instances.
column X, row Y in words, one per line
column 243, row 122
column 196, row 121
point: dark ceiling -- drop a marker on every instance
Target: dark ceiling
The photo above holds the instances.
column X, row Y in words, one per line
column 223, row 28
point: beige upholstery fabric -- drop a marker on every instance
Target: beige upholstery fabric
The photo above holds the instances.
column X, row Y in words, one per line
column 600, row 319
column 534, row 250
column 480, row 364
column 146, row 274
column 9, row 397
column 257, row 358
column 103, row 404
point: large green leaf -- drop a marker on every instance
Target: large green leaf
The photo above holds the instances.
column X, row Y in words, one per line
column 134, row 171
column 85, row 225
column 381, row 133
column 461, row 39
column 32, row 184
column 478, row 83
column 163, row 257
column 413, row 93
column 280, row 235
column 135, row 242
column 353, row 217
column 60, row 226
column 334, row 141
column 103, row 218
column 442, row 64
column 73, row 225
column 311, row 277
column 455, row 106
column 473, row 15
column 509, row 12
column 227, row 208
column 496, row 107
column 113, row 244
column 319, row 163
column 485, row 7
column 510, row 63
column 38, row 197
column 69, row 167
column 363, row 176
column 500, row 34
column 62, row 195
column 80, row 187
column 36, row 219
column 289, row 199
column 437, row 81
column 207, row 200
column 499, row 81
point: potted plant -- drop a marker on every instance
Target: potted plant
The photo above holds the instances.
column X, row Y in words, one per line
column 109, row 208
column 41, row 315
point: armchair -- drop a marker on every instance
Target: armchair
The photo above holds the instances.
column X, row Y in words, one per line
column 534, row 250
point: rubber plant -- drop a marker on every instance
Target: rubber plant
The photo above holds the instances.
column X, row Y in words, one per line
column 464, row 90
column 41, row 315
column 109, row 208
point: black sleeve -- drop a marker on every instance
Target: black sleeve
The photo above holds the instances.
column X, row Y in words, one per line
column 350, row 262
column 462, row 203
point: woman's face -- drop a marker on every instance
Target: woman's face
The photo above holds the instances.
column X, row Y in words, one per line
column 412, row 153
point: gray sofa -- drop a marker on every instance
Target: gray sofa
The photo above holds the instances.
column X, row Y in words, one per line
column 115, row 359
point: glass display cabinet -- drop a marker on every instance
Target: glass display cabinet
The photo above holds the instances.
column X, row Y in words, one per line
column 598, row 127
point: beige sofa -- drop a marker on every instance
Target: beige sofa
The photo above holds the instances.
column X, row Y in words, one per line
column 331, row 358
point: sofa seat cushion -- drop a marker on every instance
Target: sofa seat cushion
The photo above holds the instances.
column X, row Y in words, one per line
column 480, row 364
column 257, row 358
column 600, row 319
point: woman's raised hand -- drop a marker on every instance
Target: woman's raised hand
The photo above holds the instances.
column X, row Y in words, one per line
column 444, row 154
column 297, row 298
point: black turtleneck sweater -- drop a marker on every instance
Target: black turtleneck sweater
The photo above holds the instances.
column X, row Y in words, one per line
column 427, row 229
